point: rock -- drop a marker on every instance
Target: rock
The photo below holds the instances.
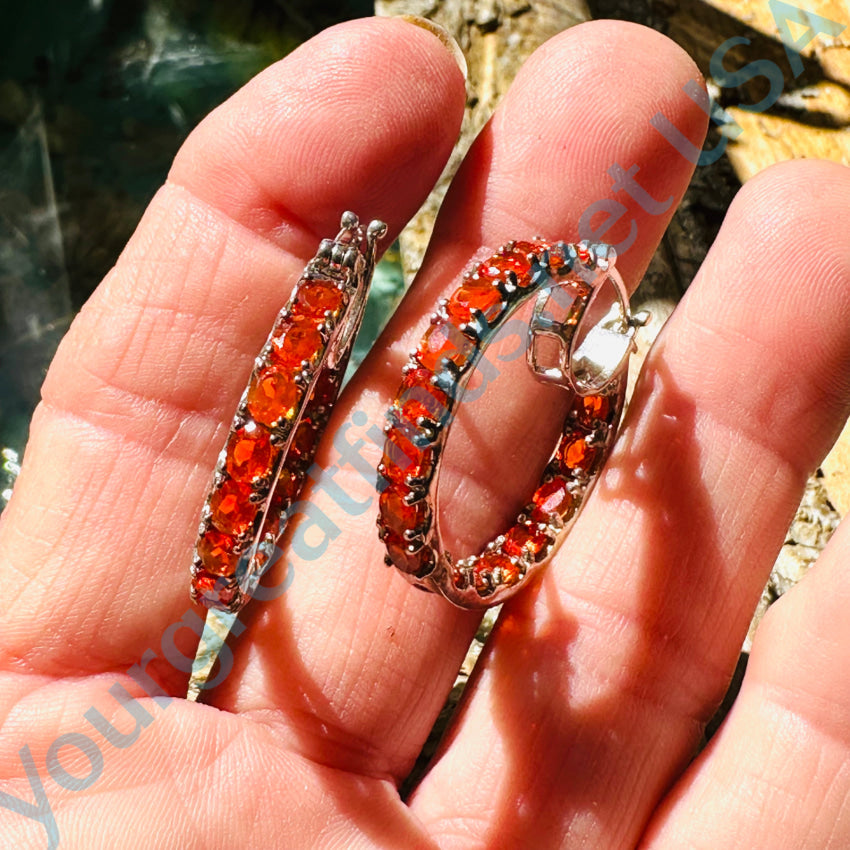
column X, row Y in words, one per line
column 836, row 473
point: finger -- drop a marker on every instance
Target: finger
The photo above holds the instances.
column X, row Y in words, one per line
column 96, row 542
column 379, row 655
column 776, row 773
column 597, row 684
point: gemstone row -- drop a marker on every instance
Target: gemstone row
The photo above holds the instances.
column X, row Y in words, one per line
column 432, row 384
column 270, row 446
column 575, row 462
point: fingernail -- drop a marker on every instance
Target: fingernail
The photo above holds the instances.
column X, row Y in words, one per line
column 443, row 34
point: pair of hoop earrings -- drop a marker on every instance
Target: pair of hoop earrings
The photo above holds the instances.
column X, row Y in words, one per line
column 296, row 379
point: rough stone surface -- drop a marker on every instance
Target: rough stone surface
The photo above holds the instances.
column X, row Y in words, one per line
column 813, row 525
column 836, row 473
column 496, row 37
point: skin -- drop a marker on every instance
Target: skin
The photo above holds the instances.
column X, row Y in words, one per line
column 580, row 726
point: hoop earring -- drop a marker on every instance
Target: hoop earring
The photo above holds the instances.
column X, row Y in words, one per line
column 284, row 409
column 593, row 347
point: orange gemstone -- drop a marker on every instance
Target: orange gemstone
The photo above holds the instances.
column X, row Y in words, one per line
column 522, row 539
column 482, row 579
column 511, row 573
column 287, row 489
column 213, row 590
column 232, row 512
column 396, row 515
column 402, row 458
column 575, row 452
column 592, row 408
column 413, row 563
column 303, row 444
column 317, row 298
column 492, row 561
column 216, row 551
column 249, row 454
column 444, row 341
column 530, row 247
column 300, row 341
column 273, row 396
column 325, row 389
column 500, row 264
column 553, row 497
column 475, row 294
column 417, row 397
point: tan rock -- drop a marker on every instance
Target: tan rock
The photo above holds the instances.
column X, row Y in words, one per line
column 766, row 139
column 836, row 473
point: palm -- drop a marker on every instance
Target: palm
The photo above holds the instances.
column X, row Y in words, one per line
column 591, row 697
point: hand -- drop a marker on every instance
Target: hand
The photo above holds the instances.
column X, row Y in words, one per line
column 581, row 723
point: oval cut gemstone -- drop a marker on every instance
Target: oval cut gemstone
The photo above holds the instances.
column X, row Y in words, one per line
column 475, row 294
column 325, row 389
column 216, row 551
column 303, row 444
column 402, row 458
column 316, row 298
column 232, row 512
column 418, row 397
column 249, row 454
column 300, row 341
column 444, row 342
column 521, row 539
column 413, row 563
column 288, row 486
column 273, row 396
column 574, row 452
column 593, row 408
column 509, row 572
column 215, row 591
column 482, row 579
column 396, row 515
column 553, row 497
column 500, row 264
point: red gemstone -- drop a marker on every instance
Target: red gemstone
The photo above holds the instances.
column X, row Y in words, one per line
column 593, row 408
column 500, row 264
column 273, row 396
column 213, row 590
column 316, row 298
column 574, row 452
column 475, row 294
column 300, row 341
column 287, row 489
column 510, row 573
column 303, row 445
column 402, row 458
column 398, row 516
column 553, row 497
column 216, row 551
column 522, row 539
column 417, row 397
column 482, row 579
column 232, row 510
column 412, row 563
column 325, row 389
column 444, row 341
column 249, row 454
